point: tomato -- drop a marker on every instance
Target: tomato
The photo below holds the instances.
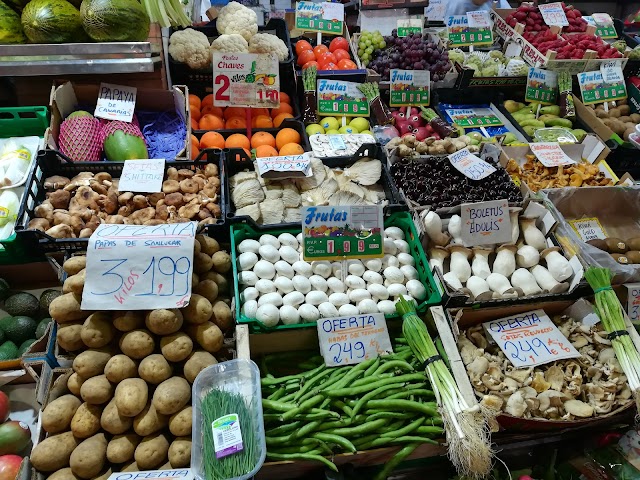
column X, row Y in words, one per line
column 345, row 64
column 305, row 56
column 302, row 45
column 312, row 63
column 341, row 54
column 326, row 57
column 319, row 50
column 338, row 42
column 330, row 66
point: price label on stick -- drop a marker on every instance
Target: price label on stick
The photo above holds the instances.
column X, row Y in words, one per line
column 325, row 17
column 550, row 154
column 353, row 339
column 462, row 34
column 604, row 28
column 479, row 19
column 529, row 339
column 485, row 223
column 409, row 87
column 143, row 176
column 406, row 26
column 134, row 267
column 553, row 14
column 341, row 98
column 436, row 10
column 246, row 80
column 588, row 228
column 287, row 166
column 474, row 117
column 116, row 102
column 594, row 88
column 633, row 302
column 469, row 165
column 542, row 86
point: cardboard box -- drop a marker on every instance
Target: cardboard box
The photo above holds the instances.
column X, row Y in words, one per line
column 588, row 116
column 66, row 97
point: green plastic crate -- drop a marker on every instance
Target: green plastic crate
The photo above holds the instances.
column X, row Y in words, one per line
column 401, row 220
column 21, row 122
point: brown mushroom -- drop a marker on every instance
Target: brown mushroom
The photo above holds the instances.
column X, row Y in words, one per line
column 59, row 199
column 154, row 198
column 84, row 198
column 172, row 173
column 61, row 216
column 162, row 213
column 39, row 224
column 211, row 170
column 44, row 210
column 189, row 185
column 60, row 231
column 108, row 202
column 170, row 186
column 189, row 211
column 85, row 233
column 82, row 179
column 116, row 219
column 102, row 177
column 125, row 198
column 140, row 216
column 56, row 182
column 174, row 199
column 185, row 173
column 139, row 202
column 98, row 187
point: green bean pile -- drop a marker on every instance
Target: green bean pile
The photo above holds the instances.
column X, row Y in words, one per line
column 385, row 401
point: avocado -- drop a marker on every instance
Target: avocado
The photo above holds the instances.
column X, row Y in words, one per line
column 22, row 304
column 21, row 329
column 46, row 298
column 42, row 326
column 8, row 351
column 5, row 291
column 25, row 345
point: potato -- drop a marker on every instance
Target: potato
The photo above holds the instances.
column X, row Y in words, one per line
column 131, row 467
column 75, row 283
column 197, row 362
column 86, row 421
column 112, row 422
column 96, row 390
column 180, row 423
column 624, row 109
column 137, row 344
column 221, row 262
column 152, row 451
column 196, row 246
column 149, row 421
column 75, row 383
column 66, row 308
column 89, row 457
column 163, row 321
column 222, row 315
column 221, row 281
column 63, row 474
column 154, row 369
column 198, row 311
column 57, row 415
column 208, row 335
column 127, row 321
column 202, row 263
column 91, row 363
column 614, row 112
column 70, row 336
column 171, row 395
column 208, row 245
column 602, row 114
column 635, row 117
column 208, row 289
column 53, row 452
column 180, row 452
column 176, row 347
column 98, row 330
column 195, row 280
column 74, row 264
column 122, row 447
column 120, row 367
column 131, row 396
column 104, row 475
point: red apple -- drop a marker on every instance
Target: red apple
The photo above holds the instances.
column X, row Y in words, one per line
column 9, row 467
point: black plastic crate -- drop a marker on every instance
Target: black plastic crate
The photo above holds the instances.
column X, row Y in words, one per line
column 396, row 203
column 51, row 163
column 623, row 160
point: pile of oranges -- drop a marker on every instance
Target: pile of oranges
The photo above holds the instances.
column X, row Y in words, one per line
column 334, row 57
column 262, row 144
column 204, row 116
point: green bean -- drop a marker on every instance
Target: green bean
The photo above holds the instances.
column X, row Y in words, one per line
column 267, row 381
column 368, row 380
column 392, row 427
column 342, row 406
column 336, row 440
column 334, row 378
column 360, row 429
column 302, row 456
column 392, row 365
column 365, row 398
column 358, row 442
column 378, row 415
column 429, row 430
column 304, row 431
column 303, row 407
column 350, row 391
column 395, row 461
column 286, row 428
column 407, row 393
column 369, row 371
column 343, row 422
column 384, row 441
column 401, row 341
column 404, row 430
column 353, row 374
column 404, row 405
column 308, row 449
column 277, row 406
column 311, row 382
column 279, row 393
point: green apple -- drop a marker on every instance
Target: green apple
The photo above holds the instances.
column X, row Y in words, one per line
column 347, row 130
column 314, row 129
column 366, row 132
column 359, row 123
column 333, row 131
column 330, row 123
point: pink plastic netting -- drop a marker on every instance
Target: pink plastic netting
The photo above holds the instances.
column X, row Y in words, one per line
column 81, row 139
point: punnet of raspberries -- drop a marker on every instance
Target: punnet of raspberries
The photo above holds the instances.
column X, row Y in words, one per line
column 531, row 18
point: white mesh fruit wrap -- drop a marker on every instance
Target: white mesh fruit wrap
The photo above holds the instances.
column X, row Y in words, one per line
column 80, row 139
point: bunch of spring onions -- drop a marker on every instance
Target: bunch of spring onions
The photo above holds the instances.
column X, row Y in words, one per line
column 611, row 315
column 466, row 429
column 168, row 13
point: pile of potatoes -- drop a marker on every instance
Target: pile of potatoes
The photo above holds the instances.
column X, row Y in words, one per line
column 129, row 406
column 619, row 118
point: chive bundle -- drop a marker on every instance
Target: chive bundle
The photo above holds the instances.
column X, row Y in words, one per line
column 216, row 404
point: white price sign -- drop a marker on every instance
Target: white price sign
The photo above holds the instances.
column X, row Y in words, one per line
column 173, row 474
column 529, row 339
column 116, row 102
column 602, row 18
column 633, row 302
column 246, row 80
column 469, row 165
column 553, row 14
column 550, row 154
column 479, row 19
column 135, row 267
column 353, row 339
column 286, row 166
column 436, row 10
column 485, row 223
column 588, row 228
column 612, row 72
column 143, row 176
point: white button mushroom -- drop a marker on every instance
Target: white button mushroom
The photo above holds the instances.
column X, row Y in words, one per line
column 248, row 245
column 249, row 293
column 267, row 239
column 402, row 246
column 283, row 284
column 264, row 269
column 269, row 253
column 355, row 267
column 374, row 264
column 293, row 298
column 397, row 289
column 416, row 289
column 393, row 275
column 265, row 286
column 299, row 238
column 389, row 246
column 354, row 282
column 247, row 260
column 289, row 315
column 378, row 291
column 394, row 232
column 289, row 254
column 336, row 269
column 316, row 298
column 390, row 261
column 284, row 269
column 301, row 284
column 303, row 268
column 321, row 268
column 268, row 314
column 318, row 283
column 406, row 259
column 358, row 294
column 250, row 308
column 348, row 310
column 372, row 277
column 368, row 306
column 273, row 298
column 288, row 240
column 335, row 285
column 409, row 272
column 248, row 278
column 328, row 310
column 309, row 313
column 387, row 307
column 339, row 299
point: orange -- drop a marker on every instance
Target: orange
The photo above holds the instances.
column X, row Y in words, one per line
column 194, row 152
column 212, row 140
column 265, row 151
column 210, row 109
column 194, row 141
column 233, row 112
column 194, row 100
column 287, row 135
column 207, row 101
column 195, row 113
column 284, row 98
column 262, row 138
column 262, row 121
column 238, row 140
column 194, row 125
column 291, row 149
column 259, row 111
column 235, row 123
column 211, row 122
column 284, row 108
column 280, row 118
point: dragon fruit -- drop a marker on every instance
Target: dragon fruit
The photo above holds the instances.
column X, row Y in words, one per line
column 123, row 141
column 80, row 137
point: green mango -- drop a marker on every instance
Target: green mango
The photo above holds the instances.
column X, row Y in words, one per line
column 550, row 109
column 579, row 134
column 559, row 122
column 532, row 123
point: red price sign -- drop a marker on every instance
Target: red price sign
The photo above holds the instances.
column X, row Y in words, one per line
column 246, row 80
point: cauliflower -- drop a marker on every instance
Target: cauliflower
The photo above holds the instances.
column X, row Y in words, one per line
column 191, row 47
column 267, row 43
column 230, row 43
column 236, row 18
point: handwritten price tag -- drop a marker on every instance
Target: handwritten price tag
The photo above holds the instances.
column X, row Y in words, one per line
column 352, row 340
column 612, row 72
column 116, row 102
column 553, row 14
column 485, row 223
column 142, row 176
column 175, row 474
column 286, row 166
column 602, row 18
column 469, row 165
column 530, row 339
column 588, row 228
column 133, row 267
column 436, row 10
column 479, row 19
column 633, row 302
column 550, row 154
